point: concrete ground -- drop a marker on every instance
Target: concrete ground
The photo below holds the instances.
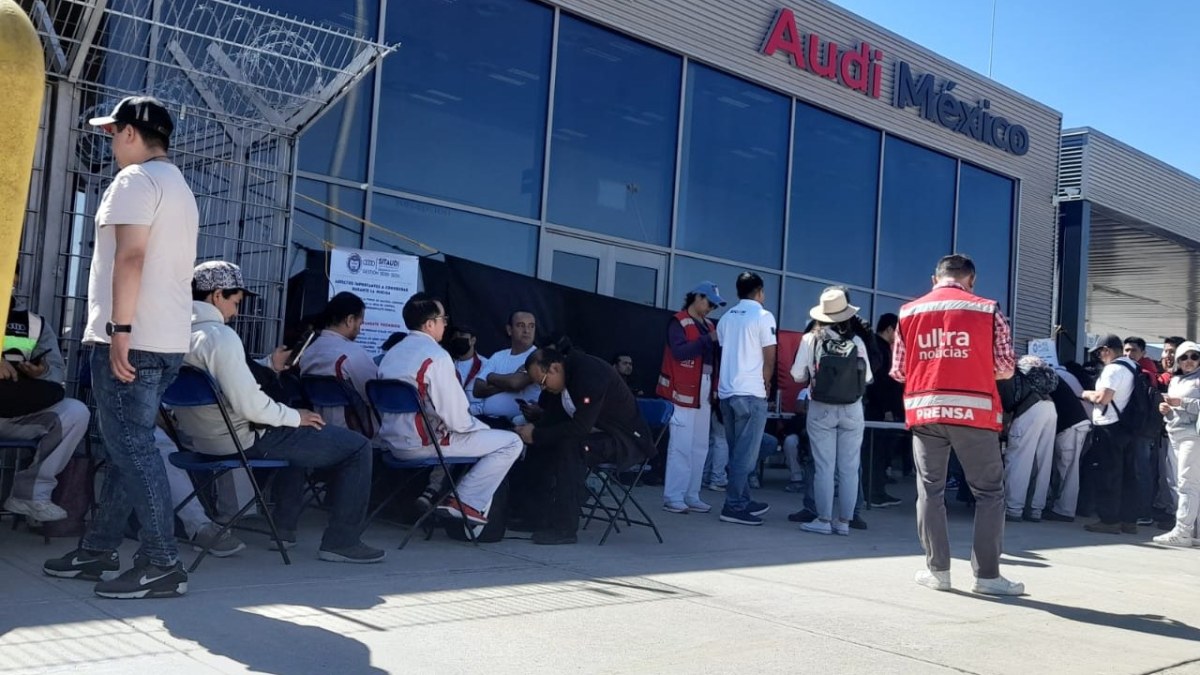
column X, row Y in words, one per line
column 715, row 598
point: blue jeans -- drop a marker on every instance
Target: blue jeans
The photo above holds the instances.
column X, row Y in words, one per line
column 347, row 454
column 1146, row 467
column 745, row 422
column 135, row 479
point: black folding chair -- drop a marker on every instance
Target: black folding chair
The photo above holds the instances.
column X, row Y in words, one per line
column 194, row 388
column 613, row 497
column 394, row 397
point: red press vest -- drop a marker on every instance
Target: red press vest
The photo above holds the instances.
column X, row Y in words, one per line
column 950, row 370
column 679, row 381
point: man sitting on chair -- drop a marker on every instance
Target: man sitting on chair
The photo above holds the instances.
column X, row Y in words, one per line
column 421, row 362
column 587, row 416
column 270, row 430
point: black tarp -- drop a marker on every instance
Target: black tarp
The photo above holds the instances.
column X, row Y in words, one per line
column 483, row 297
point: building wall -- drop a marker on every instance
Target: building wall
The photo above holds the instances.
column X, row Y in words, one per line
column 375, row 157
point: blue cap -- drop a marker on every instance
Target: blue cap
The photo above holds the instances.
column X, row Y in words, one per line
column 709, row 290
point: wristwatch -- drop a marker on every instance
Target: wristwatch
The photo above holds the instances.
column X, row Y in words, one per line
column 111, row 328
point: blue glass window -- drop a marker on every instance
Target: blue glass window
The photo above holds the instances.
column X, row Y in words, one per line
column 689, row 272
column 616, row 116
column 804, row 294
column 360, row 17
column 337, row 143
column 463, row 109
column 316, row 227
column 886, row 304
column 491, row 241
column 734, row 173
column 985, row 215
column 835, row 183
column 917, row 221
column 576, row 271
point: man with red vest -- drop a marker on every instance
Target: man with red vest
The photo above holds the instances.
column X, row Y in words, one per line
column 950, row 349
column 689, row 380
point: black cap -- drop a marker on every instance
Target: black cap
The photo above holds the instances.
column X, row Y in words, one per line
column 1112, row 342
column 144, row 112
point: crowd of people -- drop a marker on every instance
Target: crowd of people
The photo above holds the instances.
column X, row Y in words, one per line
column 536, row 418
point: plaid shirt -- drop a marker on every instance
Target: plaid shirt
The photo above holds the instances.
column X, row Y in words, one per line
column 1002, row 344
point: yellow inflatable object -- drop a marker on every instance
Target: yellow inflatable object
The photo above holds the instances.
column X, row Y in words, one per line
column 23, row 81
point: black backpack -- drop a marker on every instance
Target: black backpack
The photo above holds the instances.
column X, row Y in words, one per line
column 1141, row 418
column 841, row 376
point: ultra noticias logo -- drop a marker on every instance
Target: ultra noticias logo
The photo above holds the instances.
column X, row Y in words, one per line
column 860, row 70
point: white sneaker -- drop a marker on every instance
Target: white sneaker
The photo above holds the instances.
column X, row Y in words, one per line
column 675, row 507
column 1175, row 538
column 46, row 512
column 817, row 527
column 998, row 586
column 841, row 528
column 699, row 507
column 938, row 581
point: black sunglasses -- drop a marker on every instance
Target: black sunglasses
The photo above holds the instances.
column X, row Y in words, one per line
column 1190, row 356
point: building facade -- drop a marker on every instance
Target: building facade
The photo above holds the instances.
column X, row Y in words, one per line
column 635, row 149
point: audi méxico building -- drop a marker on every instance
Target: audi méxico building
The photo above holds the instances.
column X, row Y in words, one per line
column 628, row 148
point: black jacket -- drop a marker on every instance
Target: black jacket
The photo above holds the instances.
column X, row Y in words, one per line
column 602, row 401
column 883, row 394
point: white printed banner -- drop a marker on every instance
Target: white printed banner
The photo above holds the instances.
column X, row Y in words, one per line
column 1046, row 349
column 385, row 281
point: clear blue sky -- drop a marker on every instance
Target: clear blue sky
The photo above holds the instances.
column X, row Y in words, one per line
column 1076, row 56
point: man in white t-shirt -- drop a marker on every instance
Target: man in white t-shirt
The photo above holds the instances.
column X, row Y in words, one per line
column 746, row 334
column 502, row 381
column 1117, row 489
column 467, row 363
column 139, row 327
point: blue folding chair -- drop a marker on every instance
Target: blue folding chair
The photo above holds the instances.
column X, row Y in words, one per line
column 613, row 497
column 326, row 392
column 193, row 388
column 393, row 397
column 12, row 456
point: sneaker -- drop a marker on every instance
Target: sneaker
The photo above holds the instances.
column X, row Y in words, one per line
column 841, row 528
column 758, row 508
column 794, row 487
column 699, row 507
column 452, row 508
column 998, row 586
column 288, row 537
column 743, row 517
column 1129, row 528
column 1055, row 517
column 1146, row 521
column 938, row 581
column 1175, row 538
column 425, row 501
column 675, row 507
column 885, row 500
column 220, row 544
column 85, row 565
column 359, row 553
column 715, row 487
column 45, row 512
column 146, row 580
column 1033, row 517
column 1103, row 528
column 817, row 527
column 553, row 538
column 1011, row 518
column 802, row 516
column 858, row 523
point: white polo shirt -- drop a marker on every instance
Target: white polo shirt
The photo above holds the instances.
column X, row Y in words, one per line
column 744, row 330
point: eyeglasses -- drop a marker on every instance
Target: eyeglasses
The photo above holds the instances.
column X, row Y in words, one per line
column 444, row 318
column 1190, row 356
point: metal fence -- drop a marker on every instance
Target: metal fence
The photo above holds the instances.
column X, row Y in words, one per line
column 241, row 83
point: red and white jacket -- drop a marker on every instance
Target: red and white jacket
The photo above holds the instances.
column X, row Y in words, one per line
column 950, row 371
column 421, row 362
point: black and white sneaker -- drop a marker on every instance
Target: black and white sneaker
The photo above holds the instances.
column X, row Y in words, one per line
column 359, row 553
column 85, row 565
column 146, row 580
